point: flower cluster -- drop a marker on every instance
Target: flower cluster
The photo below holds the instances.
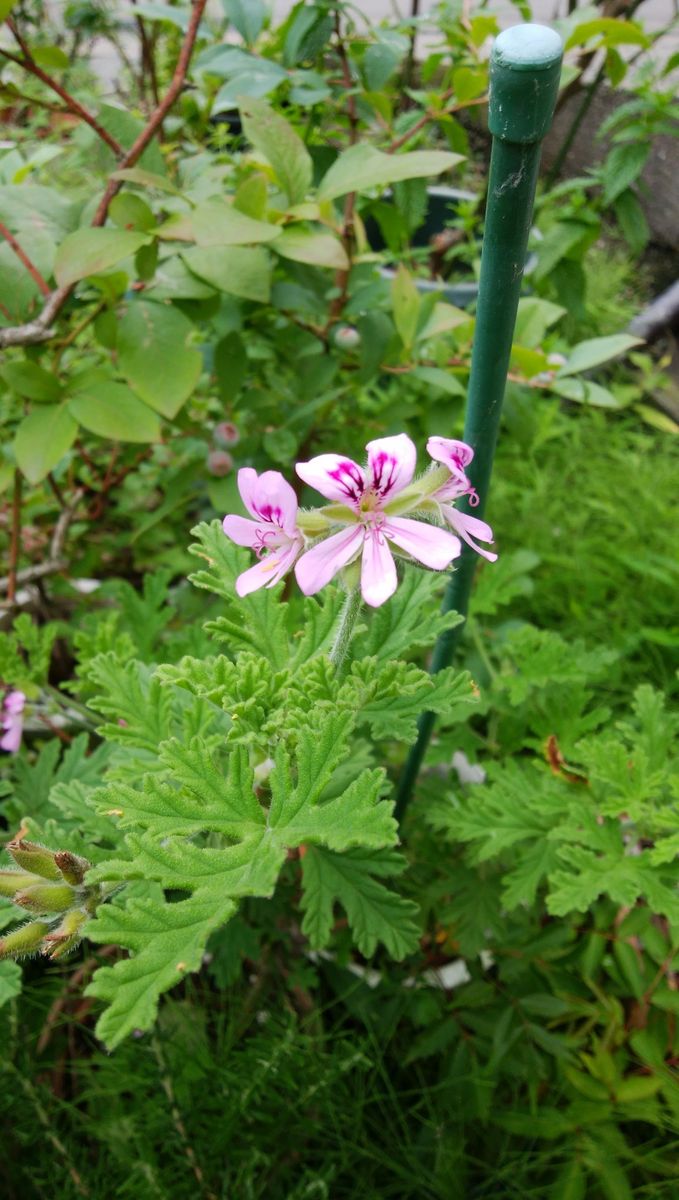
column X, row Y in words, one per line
column 11, row 720
column 366, row 519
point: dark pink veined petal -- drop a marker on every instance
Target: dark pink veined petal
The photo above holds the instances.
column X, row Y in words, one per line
column 378, row 570
column 391, row 465
column 468, row 528
column 14, row 701
column 320, row 564
column 269, row 497
column 241, row 530
column 268, row 571
column 335, row 477
column 450, row 452
column 427, row 543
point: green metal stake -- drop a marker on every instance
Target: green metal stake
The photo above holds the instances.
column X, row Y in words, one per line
column 524, row 79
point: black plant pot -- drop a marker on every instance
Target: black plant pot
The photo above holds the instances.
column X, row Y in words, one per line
column 442, row 205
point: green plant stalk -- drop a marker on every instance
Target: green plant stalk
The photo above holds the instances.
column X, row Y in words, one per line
column 345, row 628
column 524, row 80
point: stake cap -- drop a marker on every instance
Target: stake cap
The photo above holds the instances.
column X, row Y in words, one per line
column 525, row 69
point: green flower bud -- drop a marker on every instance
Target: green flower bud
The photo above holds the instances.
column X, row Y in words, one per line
column 64, row 939
column 312, row 521
column 12, row 882
column 46, row 898
column 72, row 866
column 35, row 858
column 24, row 940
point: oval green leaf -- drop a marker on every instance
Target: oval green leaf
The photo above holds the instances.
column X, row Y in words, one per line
column 217, row 223
column 308, row 246
column 42, row 439
column 31, row 381
column 90, row 251
column 238, row 270
column 362, row 166
column 154, row 357
column 113, row 411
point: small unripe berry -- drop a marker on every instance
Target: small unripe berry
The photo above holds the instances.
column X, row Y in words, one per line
column 226, row 434
column 219, row 462
column 347, row 338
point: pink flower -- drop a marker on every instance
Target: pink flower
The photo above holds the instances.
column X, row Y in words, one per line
column 273, row 535
column 456, row 456
column 12, row 721
column 365, row 496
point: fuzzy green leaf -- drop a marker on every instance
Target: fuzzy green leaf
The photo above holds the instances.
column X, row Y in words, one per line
column 168, row 942
column 375, row 912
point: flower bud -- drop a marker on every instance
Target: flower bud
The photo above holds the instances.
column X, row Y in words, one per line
column 12, row 882
column 32, row 857
column 347, row 338
column 24, row 940
column 64, row 939
column 46, row 897
column 219, row 462
column 226, row 434
column 72, row 867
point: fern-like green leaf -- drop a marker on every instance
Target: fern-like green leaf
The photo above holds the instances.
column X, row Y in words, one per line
column 256, row 622
column 167, row 940
column 375, row 912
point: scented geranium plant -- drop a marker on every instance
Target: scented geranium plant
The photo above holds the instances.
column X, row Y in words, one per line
column 230, row 770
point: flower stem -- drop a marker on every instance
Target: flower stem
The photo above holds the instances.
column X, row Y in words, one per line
column 345, row 628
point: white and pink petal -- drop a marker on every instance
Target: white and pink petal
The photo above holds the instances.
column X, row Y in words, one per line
column 320, row 564
column 434, row 547
column 378, row 570
column 335, row 476
column 391, row 465
column 241, row 530
column 469, row 528
column 269, row 498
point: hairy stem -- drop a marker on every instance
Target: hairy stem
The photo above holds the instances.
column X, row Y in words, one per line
column 345, row 628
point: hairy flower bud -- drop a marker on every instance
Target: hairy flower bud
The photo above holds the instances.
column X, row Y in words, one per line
column 72, row 866
column 226, row 433
column 219, row 462
column 24, row 940
column 35, row 858
column 46, row 898
column 67, row 936
column 12, row 882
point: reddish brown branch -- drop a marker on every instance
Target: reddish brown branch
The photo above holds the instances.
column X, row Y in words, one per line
column 432, row 115
column 342, row 277
column 23, row 257
column 40, row 330
column 29, row 64
column 160, row 112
